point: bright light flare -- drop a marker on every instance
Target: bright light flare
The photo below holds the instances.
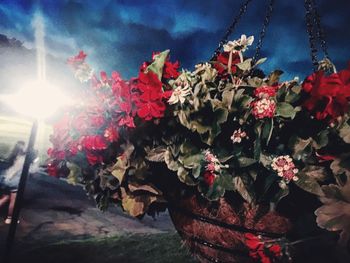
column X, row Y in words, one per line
column 37, row 100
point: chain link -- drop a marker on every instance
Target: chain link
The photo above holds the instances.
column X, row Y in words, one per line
column 310, row 30
column 315, row 32
column 263, row 30
column 320, row 31
column 229, row 31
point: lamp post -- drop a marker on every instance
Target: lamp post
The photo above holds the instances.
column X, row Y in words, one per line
column 34, row 101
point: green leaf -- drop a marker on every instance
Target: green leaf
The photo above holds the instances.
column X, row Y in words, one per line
column 196, row 171
column 292, row 97
column 192, row 160
column 334, row 215
column 119, row 168
column 274, row 77
column 253, row 174
column 255, row 82
column 184, row 176
column 299, row 147
column 150, row 188
column 308, row 184
column 245, row 65
column 225, row 158
column 158, row 63
column 226, row 181
column 265, row 160
column 260, row 61
column 321, row 140
column 280, row 195
column 267, row 130
column 339, row 167
column 155, row 154
column 315, row 172
column 244, row 188
column 269, row 181
column 170, row 162
column 245, row 162
column 245, row 102
column 227, row 98
column 74, row 173
column 344, row 132
column 285, row 110
column 137, row 205
column 257, row 142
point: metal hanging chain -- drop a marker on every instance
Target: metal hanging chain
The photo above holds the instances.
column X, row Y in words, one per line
column 310, row 30
column 263, row 30
column 229, row 31
column 320, row 32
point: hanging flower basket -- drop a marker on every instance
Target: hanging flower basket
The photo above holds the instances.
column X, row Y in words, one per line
column 247, row 164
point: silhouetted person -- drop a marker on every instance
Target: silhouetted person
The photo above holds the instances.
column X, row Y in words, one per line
column 9, row 178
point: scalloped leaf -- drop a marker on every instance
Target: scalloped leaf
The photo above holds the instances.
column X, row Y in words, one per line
column 158, row 63
column 244, row 187
column 119, row 168
column 245, row 161
column 134, row 188
column 344, row 132
column 172, row 164
column 137, row 205
column 308, row 184
column 334, row 215
column 285, row 110
column 299, row 146
column 155, row 154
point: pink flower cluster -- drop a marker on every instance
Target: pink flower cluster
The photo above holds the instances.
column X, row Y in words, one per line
column 238, row 135
column 285, row 168
column 263, row 108
column 265, row 92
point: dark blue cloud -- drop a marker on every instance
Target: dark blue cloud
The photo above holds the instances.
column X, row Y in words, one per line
column 120, row 35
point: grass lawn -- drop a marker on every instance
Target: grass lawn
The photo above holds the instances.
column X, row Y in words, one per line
column 155, row 248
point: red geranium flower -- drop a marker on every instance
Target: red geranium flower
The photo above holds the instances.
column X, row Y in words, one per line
column 52, row 169
column 111, row 133
column 170, row 70
column 209, row 178
column 94, row 142
column 329, row 95
column 93, row 158
column 222, row 62
column 127, row 121
column 259, row 250
column 149, row 82
column 57, row 154
column 78, row 59
column 149, row 103
column 97, row 121
column 149, row 108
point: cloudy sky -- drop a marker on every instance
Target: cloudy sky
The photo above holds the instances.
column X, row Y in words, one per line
column 121, row 34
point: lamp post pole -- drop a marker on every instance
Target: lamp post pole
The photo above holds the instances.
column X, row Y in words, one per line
column 21, row 186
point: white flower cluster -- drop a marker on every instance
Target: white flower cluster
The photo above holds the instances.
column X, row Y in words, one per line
column 285, row 168
column 239, row 45
column 238, row 135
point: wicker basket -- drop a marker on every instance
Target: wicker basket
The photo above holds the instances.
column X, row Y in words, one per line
column 217, row 234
